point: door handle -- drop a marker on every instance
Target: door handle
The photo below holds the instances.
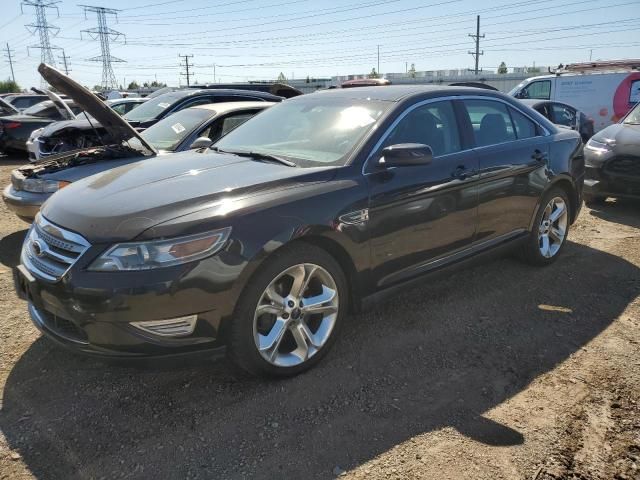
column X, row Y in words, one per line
column 460, row 173
column 539, row 156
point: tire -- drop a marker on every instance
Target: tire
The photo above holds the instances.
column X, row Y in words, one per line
column 536, row 251
column 269, row 313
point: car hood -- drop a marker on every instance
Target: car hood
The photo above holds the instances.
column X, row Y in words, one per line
column 60, row 105
column 120, row 204
column 624, row 138
column 118, row 128
column 81, row 123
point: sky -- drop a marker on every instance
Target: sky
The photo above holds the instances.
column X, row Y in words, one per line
column 240, row 40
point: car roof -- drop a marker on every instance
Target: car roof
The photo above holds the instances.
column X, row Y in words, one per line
column 224, row 107
column 395, row 93
column 178, row 94
column 126, row 100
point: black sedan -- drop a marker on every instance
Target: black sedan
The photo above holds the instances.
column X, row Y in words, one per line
column 265, row 242
column 612, row 159
column 565, row 115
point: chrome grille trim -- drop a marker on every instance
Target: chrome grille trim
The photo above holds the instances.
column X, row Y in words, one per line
column 50, row 251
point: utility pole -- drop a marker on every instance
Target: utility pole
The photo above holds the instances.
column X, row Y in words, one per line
column 188, row 74
column 477, row 37
column 64, row 59
column 43, row 28
column 10, row 61
column 378, row 71
column 214, row 73
column 105, row 35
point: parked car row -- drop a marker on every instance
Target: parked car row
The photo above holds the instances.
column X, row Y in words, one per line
column 314, row 207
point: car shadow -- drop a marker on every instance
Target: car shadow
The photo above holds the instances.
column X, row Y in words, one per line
column 624, row 211
column 440, row 355
column 13, row 160
column 10, row 248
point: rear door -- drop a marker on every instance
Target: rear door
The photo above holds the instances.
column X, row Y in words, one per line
column 512, row 152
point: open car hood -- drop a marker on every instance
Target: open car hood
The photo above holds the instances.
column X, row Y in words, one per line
column 7, row 109
column 117, row 127
column 61, row 106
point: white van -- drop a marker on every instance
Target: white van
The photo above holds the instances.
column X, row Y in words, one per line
column 604, row 91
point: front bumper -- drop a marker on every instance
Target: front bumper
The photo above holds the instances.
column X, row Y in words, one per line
column 93, row 312
column 24, row 204
column 600, row 182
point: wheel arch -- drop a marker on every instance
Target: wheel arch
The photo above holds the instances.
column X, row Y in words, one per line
column 567, row 184
column 319, row 238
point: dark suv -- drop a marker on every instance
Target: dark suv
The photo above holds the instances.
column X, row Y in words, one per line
column 264, row 242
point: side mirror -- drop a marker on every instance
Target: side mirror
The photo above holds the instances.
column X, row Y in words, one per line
column 201, row 142
column 406, row 154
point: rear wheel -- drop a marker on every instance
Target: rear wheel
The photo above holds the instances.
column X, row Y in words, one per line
column 289, row 314
column 550, row 230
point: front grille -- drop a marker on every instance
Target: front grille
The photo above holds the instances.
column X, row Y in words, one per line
column 50, row 251
column 626, row 165
column 60, row 326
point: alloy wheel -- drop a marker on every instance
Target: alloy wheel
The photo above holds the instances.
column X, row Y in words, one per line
column 553, row 227
column 295, row 315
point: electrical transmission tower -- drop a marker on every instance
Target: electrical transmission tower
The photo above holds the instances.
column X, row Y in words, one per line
column 43, row 28
column 64, row 59
column 106, row 35
column 477, row 53
column 10, row 62
column 186, row 65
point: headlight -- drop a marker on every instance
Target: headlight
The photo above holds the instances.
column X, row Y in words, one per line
column 35, row 134
column 598, row 147
column 38, row 185
column 160, row 253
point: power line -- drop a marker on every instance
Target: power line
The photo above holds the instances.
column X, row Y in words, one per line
column 186, row 65
column 64, row 59
column 106, row 35
column 43, row 27
column 10, row 62
column 477, row 37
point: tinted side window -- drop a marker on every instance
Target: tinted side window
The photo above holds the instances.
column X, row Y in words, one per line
column 120, row 109
column 195, row 102
column 22, row 103
column 525, row 128
column 544, row 111
column 433, row 124
column 539, row 90
column 490, row 121
column 563, row 115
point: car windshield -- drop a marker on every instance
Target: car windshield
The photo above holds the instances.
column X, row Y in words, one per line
column 309, row 131
column 634, row 116
column 151, row 109
column 42, row 109
column 169, row 132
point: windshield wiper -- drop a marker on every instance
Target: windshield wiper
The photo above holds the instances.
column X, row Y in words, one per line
column 258, row 156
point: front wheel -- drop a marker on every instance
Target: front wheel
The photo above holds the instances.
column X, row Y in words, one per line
column 550, row 229
column 289, row 314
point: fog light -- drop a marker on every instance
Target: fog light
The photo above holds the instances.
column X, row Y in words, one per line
column 174, row 327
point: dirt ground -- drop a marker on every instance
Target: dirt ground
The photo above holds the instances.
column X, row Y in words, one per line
column 500, row 371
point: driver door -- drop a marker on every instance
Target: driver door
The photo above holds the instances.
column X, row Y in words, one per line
column 420, row 215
